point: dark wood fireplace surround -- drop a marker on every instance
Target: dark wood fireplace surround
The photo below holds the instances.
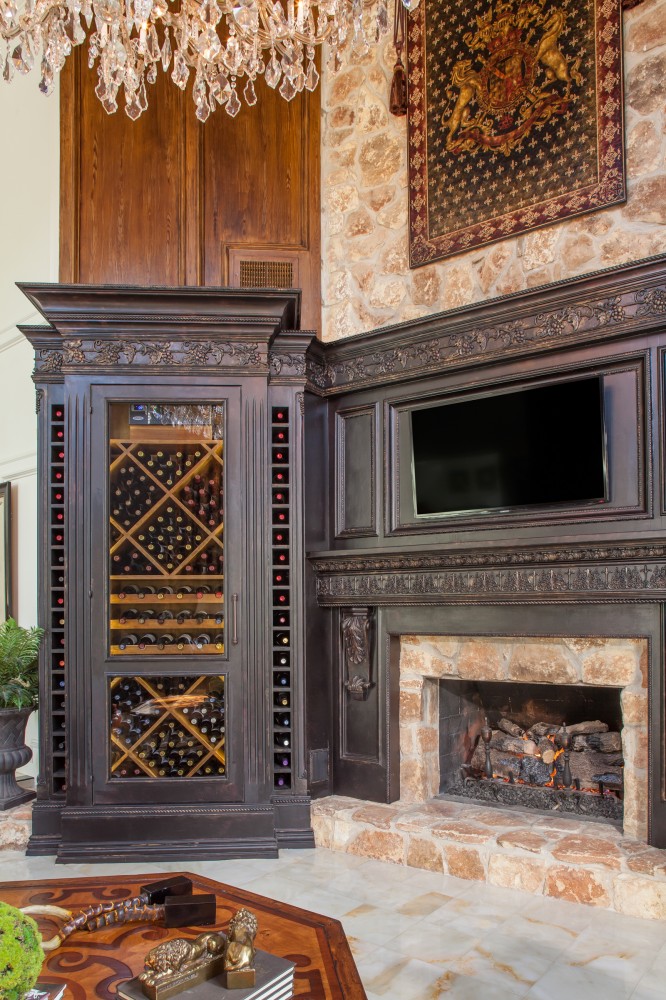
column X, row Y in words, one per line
column 581, row 571
column 372, row 572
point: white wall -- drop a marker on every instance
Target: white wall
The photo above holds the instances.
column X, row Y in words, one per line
column 29, row 165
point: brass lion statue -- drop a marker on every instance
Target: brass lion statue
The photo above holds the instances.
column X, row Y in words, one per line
column 180, row 955
column 242, row 931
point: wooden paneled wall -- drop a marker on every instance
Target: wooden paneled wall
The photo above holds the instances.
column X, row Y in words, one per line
column 167, row 200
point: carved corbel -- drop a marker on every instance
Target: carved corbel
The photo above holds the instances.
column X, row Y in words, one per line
column 355, row 626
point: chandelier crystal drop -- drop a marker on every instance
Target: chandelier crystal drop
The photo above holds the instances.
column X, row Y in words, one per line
column 226, row 44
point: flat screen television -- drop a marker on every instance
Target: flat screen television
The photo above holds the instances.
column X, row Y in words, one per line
column 532, row 447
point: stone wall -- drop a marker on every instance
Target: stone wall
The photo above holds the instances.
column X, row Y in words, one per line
column 366, row 280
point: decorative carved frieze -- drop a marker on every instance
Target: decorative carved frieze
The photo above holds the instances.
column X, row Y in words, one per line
column 161, row 353
column 615, row 573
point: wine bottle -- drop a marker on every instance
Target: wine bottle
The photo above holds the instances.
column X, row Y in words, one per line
column 127, row 640
column 164, row 616
column 165, row 640
column 164, row 592
column 282, row 739
column 281, row 760
column 218, row 640
column 200, row 617
column 183, row 616
column 282, row 700
column 281, row 679
column 183, row 592
column 145, row 614
column 282, row 781
column 281, row 719
column 202, row 640
column 129, row 613
column 147, row 640
column 281, row 639
column 184, row 640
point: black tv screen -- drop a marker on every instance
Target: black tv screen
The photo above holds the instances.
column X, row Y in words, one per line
column 542, row 445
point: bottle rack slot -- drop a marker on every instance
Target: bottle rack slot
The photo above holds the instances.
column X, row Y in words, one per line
column 281, row 629
column 166, row 544
column 56, row 592
column 167, row 727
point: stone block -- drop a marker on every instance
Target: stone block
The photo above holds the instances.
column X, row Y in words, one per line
column 523, row 840
column 322, row 828
column 649, row 861
column 543, row 663
column 577, row 886
column 634, row 708
column 616, row 668
column 411, row 706
column 340, row 117
column 640, row 897
column 481, row 661
column 424, row 854
column 426, row 286
column 359, row 223
column 462, row 832
column 587, row 850
column 493, row 263
column 342, row 199
column 427, row 740
column 380, row 197
column 646, row 32
column 647, row 199
column 380, row 159
column 464, row 862
column 378, row 845
column 379, row 816
column 343, row 85
column 635, row 748
column 538, row 247
column 643, row 149
column 645, row 86
column 415, row 784
column 516, row 873
column 459, row 287
column 387, row 294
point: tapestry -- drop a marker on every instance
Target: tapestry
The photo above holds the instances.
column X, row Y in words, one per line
column 515, row 118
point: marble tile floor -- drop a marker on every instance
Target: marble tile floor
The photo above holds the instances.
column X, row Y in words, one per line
column 418, row 935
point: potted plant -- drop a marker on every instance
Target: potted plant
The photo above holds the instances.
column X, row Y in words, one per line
column 21, row 954
column 19, row 690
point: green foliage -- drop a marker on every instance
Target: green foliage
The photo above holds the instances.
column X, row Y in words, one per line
column 21, row 954
column 19, row 677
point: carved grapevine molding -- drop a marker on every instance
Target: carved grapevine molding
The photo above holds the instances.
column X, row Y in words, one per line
column 638, row 580
column 611, row 314
column 164, row 353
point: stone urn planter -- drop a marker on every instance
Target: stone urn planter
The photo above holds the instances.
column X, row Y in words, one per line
column 13, row 753
column 19, row 689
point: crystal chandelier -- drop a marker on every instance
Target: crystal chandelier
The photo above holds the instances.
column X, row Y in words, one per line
column 227, row 44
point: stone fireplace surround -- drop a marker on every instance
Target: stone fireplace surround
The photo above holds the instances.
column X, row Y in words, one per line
column 618, row 663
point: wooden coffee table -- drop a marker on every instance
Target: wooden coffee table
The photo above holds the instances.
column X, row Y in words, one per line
column 93, row 964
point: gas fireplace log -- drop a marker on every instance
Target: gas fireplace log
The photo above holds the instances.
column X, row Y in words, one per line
column 585, row 728
column 540, row 729
column 591, row 765
column 546, row 749
column 511, row 728
column 605, row 742
column 500, row 741
column 503, row 763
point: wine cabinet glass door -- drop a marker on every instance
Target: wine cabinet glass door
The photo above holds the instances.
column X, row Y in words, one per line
column 168, row 683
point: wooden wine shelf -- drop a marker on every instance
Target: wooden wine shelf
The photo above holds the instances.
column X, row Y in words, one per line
column 192, row 650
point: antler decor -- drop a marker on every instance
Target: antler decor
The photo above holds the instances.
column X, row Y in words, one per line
column 170, row 900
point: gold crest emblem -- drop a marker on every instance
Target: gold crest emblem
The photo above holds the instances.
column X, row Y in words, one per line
column 517, row 77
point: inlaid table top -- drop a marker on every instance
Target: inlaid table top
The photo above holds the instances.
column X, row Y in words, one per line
column 92, row 964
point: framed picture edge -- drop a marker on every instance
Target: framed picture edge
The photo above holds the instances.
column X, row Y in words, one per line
column 6, row 530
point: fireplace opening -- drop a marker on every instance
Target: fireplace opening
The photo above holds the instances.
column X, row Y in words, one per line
column 540, row 746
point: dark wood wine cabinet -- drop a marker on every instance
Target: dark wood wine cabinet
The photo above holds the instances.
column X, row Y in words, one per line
column 172, row 677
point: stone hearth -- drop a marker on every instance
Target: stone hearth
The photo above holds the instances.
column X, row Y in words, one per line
column 547, row 854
